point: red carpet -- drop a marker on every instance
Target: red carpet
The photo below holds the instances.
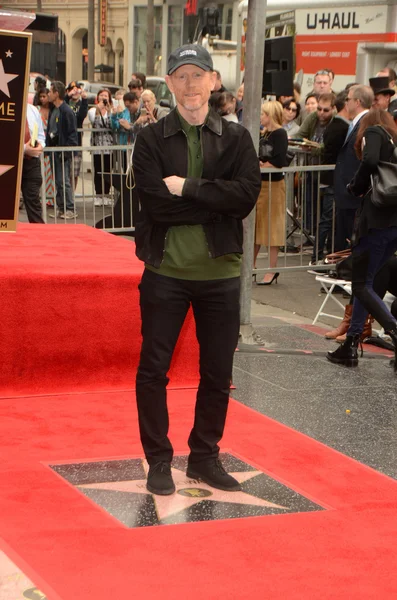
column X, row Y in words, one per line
column 72, row 549
column 70, row 313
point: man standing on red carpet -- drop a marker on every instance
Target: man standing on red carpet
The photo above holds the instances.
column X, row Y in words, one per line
column 197, row 177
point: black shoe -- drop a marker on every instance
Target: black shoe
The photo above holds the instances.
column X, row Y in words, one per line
column 212, row 472
column 347, row 353
column 393, row 334
column 159, row 479
column 274, row 278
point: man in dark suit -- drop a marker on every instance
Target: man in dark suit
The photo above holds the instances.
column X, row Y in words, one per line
column 334, row 138
column 358, row 102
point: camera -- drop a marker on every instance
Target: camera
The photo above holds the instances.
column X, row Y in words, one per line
column 105, row 102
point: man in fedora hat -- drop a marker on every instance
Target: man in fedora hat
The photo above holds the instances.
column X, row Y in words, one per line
column 197, row 176
column 382, row 92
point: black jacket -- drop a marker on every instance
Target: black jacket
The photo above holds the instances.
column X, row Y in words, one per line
column 346, row 166
column 334, row 138
column 219, row 200
column 67, row 127
column 377, row 148
column 80, row 110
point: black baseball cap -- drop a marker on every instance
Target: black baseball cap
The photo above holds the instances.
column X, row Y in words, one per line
column 73, row 84
column 190, row 54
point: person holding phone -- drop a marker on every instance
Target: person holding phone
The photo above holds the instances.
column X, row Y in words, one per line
column 153, row 111
column 99, row 117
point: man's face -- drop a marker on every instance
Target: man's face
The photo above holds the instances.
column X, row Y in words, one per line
column 132, row 106
column 353, row 106
column 381, row 101
column 52, row 95
column 324, row 111
column 76, row 93
column 192, row 86
column 137, row 91
column 322, row 84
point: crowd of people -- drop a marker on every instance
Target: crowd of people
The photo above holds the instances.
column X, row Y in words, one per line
column 114, row 121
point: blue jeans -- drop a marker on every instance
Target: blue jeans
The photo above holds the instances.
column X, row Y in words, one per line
column 62, row 165
column 324, row 233
column 369, row 256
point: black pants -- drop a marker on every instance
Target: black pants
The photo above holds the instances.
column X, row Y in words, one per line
column 102, row 165
column 344, row 227
column 371, row 253
column 30, row 188
column 164, row 304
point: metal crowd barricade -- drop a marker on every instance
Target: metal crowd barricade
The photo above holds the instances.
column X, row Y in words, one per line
column 302, row 219
column 112, row 208
column 101, row 194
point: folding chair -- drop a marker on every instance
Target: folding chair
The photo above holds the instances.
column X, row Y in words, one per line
column 329, row 284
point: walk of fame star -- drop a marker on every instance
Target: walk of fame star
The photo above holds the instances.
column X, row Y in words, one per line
column 119, row 487
column 188, row 492
column 5, row 79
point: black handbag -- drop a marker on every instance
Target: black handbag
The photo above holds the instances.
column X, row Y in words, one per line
column 266, row 152
column 265, row 149
column 384, row 183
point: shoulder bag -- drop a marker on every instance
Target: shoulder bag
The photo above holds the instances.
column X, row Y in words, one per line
column 384, row 182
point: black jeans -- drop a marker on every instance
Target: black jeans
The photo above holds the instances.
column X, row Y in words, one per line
column 369, row 256
column 30, row 188
column 164, row 304
column 324, row 232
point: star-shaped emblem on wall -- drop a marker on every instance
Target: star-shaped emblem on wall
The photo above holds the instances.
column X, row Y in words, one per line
column 5, row 79
column 9, row 54
column 188, row 492
column 5, row 168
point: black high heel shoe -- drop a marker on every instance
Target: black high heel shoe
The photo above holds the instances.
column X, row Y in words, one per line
column 274, row 278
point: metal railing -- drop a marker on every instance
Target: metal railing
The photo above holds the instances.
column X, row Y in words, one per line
column 304, row 199
column 95, row 187
column 92, row 185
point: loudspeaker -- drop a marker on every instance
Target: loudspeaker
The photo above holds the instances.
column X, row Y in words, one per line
column 278, row 68
column 44, row 22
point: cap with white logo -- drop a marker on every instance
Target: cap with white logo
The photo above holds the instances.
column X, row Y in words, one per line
column 190, row 54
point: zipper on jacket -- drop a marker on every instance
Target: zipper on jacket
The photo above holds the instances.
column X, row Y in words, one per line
column 202, row 154
column 166, row 235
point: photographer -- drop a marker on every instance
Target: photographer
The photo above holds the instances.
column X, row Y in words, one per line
column 76, row 97
column 100, row 118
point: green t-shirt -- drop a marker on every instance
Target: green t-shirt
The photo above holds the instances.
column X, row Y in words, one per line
column 186, row 254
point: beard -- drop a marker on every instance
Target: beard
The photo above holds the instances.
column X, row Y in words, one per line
column 194, row 105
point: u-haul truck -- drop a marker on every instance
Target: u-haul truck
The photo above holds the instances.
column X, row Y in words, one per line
column 355, row 40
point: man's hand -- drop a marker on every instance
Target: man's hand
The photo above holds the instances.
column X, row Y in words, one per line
column 34, row 152
column 175, row 184
column 84, row 94
column 124, row 123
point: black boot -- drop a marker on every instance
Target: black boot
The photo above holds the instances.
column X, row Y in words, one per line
column 393, row 335
column 347, row 353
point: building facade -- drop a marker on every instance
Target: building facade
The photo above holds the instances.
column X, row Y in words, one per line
column 125, row 40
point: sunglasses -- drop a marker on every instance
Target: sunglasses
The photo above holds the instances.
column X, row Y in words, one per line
column 291, row 109
column 326, row 110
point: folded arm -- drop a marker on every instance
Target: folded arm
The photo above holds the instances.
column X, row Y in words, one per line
column 161, row 205
column 235, row 198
